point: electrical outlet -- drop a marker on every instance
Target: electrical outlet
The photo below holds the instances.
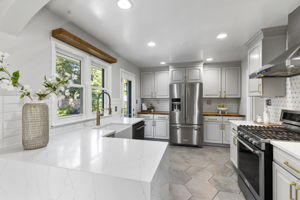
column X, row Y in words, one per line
column 268, row 102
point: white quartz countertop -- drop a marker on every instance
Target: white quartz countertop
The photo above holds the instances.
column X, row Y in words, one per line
column 244, row 122
column 87, row 150
column 292, row 148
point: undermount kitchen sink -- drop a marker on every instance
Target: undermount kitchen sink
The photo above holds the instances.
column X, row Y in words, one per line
column 120, row 130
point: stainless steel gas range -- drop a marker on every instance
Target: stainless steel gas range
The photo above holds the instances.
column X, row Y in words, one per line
column 255, row 154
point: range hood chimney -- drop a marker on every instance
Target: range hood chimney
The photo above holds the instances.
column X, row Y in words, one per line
column 288, row 63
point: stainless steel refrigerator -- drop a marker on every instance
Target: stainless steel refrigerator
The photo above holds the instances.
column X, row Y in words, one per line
column 186, row 120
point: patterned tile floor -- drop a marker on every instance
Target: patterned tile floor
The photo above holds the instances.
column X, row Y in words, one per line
column 202, row 174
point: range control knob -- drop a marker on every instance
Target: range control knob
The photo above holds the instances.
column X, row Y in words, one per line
column 254, row 142
column 251, row 140
column 246, row 137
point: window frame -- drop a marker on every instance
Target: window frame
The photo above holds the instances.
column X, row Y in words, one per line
column 87, row 62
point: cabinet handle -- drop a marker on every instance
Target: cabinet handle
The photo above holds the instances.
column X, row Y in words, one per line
column 212, row 119
column 224, row 93
column 291, row 167
column 259, row 88
column 291, row 190
column 297, row 189
column 234, row 141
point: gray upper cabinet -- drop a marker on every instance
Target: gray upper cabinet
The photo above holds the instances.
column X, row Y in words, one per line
column 222, row 82
column 263, row 47
column 186, row 74
column 231, row 82
column 155, row 84
column 212, row 87
column 147, row 85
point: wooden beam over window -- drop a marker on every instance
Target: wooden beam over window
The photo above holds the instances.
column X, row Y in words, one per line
column 71, row 39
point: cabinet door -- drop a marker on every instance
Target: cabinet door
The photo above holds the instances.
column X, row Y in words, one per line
column 149, row 129
column 161, row 129
column 193, row 74
column 213, row 132
column 147, row 85
column 254, row 64
column 162, row 84
column 177, row 75
column 226, row 133
column 231, row 83
column 212, row 82
column 282, row 182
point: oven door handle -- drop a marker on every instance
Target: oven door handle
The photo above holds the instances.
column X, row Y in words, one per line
column 257, row 152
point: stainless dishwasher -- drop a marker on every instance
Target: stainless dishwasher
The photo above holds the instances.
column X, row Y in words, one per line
column 138, row 130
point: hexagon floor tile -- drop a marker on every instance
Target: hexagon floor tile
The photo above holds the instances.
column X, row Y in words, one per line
column 202, row 174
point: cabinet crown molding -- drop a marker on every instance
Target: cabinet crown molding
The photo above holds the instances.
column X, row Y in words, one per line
column 266, row 32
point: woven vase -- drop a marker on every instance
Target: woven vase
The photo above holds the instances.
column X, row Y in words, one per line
column 35, row 125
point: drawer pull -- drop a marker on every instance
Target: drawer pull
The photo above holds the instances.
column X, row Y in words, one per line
column 212, row 119
column 291, row 167
column 291, row 190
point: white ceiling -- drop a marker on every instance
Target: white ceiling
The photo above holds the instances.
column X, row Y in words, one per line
column 184, row 30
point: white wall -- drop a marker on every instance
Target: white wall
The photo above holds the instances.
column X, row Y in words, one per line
column 31, row 51
column 31, row 54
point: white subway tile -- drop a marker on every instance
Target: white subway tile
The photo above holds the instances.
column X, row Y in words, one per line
column 12, row 100
column 12, row 116
column 12, row 108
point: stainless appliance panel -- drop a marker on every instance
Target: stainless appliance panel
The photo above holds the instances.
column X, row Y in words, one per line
column 177, row 103
column 186, row 135
column 194, row 103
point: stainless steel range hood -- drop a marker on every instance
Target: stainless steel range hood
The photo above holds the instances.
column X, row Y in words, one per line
column 288, row 63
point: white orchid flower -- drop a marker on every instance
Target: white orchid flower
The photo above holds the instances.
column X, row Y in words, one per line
column 67, row 93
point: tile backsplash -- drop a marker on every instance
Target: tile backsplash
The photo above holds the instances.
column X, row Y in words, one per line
column 159, row 104
column 210, row 105
column 11, row 118
column 291, row 101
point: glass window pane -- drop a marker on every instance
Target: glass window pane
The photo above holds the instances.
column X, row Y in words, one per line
column 69, row 65
column 72, row 104
column 97, row 77
column 95, row 96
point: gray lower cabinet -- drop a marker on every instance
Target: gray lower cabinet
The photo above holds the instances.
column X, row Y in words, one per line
column 217, row 130
column 157, row 126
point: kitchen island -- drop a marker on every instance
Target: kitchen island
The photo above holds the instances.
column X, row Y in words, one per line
column 82, row 164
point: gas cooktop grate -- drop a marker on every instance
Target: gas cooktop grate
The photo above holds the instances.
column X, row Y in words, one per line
column 272, row 133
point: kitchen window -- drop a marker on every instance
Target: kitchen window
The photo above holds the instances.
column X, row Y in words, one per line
column 97, row 85
column 72, row 101
column 91, row 77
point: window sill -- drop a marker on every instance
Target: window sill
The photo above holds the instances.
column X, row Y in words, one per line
column 57, row 125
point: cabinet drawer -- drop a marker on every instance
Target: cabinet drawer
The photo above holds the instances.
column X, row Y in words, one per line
column 287, row 161
column 161, row 117
column 212, row 118
column 146, row 116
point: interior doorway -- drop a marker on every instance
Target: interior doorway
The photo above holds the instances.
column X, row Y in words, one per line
column 127, row 98
column 128, row 93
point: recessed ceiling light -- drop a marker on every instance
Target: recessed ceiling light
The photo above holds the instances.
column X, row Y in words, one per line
column 222, row 36
column 124, row 4
column 151, row 44
column 209, row 59
column 163, row 63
